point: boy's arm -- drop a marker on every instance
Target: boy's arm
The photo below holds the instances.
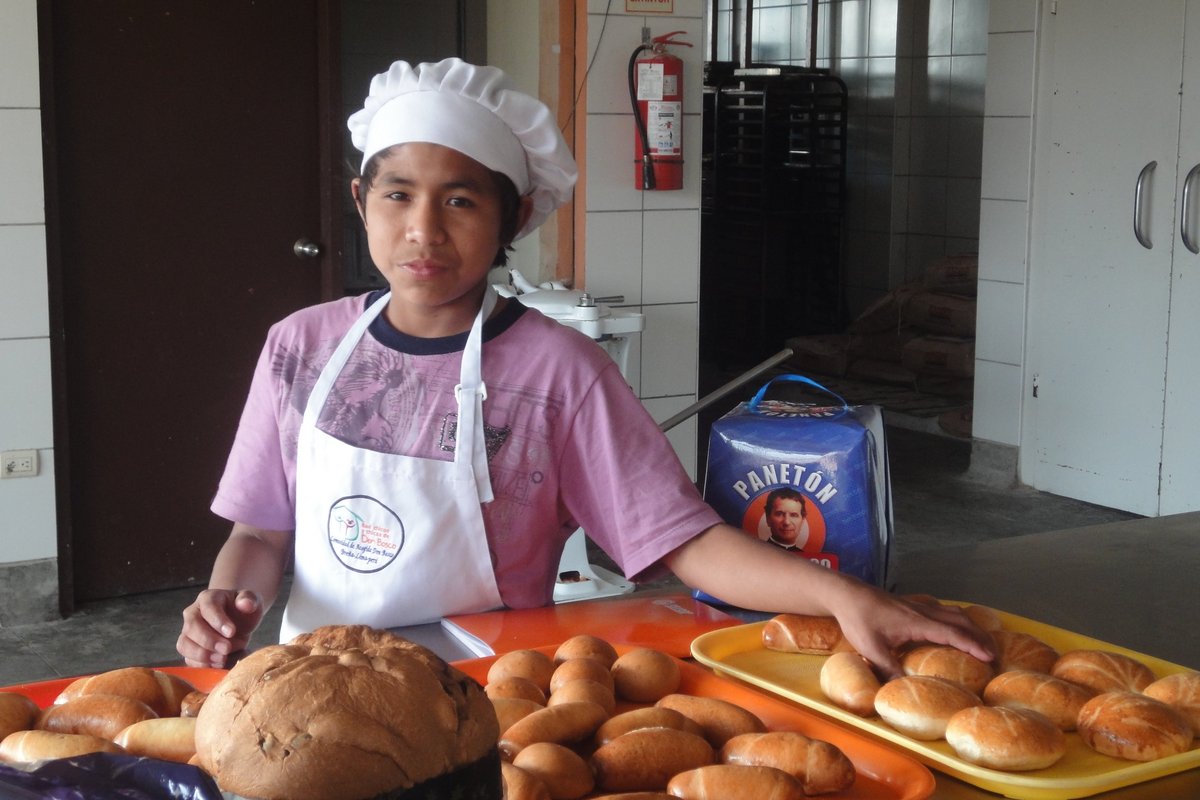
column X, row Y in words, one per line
column 745, row 572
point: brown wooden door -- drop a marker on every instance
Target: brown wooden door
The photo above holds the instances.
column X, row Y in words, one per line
column 183, row 162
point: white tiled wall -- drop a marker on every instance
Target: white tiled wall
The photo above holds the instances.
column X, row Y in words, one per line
column 1003, row 228
column 646, row 245
column 27, row 505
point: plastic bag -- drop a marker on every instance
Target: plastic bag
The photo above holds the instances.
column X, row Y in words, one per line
column 107, row 776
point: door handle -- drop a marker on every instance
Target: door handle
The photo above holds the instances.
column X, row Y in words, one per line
column 1142, row 237
column 303, row 248
column 1186, row 212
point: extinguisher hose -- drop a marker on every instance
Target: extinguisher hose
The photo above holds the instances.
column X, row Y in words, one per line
column 643, row 134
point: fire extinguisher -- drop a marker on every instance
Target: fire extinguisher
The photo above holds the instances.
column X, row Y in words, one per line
column 656, row 94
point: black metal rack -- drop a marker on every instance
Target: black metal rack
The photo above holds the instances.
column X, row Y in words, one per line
column 772, row 201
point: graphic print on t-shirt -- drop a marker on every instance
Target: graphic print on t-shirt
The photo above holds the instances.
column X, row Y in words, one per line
column 364, row 534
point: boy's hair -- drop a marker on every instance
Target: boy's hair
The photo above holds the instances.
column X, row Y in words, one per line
column 510, row 203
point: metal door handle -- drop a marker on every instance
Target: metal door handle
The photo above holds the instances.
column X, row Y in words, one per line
column 1186, row 212
column 303, row 248
column 1142, row 238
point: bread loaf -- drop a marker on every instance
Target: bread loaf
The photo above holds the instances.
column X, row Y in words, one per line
column 820, row 766
column 35, row 745
column 921, row 705
column 799, row 633
column 1000, row 737
column 849, row 682
column 1181, row 691
column 1054, row 698
column 1103, row 671
column 161, row 691
column 949, row 663
column 1132, row 726
column 103, row 715
column 1019, row 650
column 17, row 713
column 168, row 738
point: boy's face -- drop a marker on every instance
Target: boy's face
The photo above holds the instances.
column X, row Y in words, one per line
column 432, row 217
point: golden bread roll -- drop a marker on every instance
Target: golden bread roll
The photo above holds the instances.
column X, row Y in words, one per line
column 565, row 723
column 564, row 771
column 735, row 782
column 162, row 691
column 190, row 705
column 532, row 665
column 1181, row 691
column 1103, row 671
column 645, row 717
column 168, row 738
column 584, row 690
column 999, row 737
column 511, row 709
column 25, row 746
column 575, row 668
column 103, row 715
column 644, row 760
column 1132, row 726
column 521, row 785
column 949, row 663
column 820, row 766
column 849, row 682
column 800, row 633
column 920, row 705
column 984, row 618
column 17, row 713
column 720, row 719
column 643, row 675
column 1019, row 650
column 584, row 645
column 515, row 686
column 1054, row 698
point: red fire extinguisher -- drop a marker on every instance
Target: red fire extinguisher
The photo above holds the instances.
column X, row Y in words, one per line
column 656, row 94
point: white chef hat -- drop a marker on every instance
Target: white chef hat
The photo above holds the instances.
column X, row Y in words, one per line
column 476, row 111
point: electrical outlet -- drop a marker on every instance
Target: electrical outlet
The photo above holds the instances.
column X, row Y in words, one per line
column 18, row 464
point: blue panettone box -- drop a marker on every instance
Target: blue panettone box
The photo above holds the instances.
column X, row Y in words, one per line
column 810, row 478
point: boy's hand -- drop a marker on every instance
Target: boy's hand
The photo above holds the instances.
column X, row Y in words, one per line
column 217, row 624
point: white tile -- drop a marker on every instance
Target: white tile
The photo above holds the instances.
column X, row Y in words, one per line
column 26, row 423
column 964, row 147
column 30, row 529
column 962, row 207
column 1003, row 238
column 967, row 77
column 19, row 87
column 931, row 86
column 854, row 33
column 671, row 257
column 881, row 87
column 610, row 164
column 939, row 22
column 613, row 244
column 1006, row 152
column 883, row 23
column 683, row 435
column 680, row 8
column 21, row 191
column 902, row 146
column 1010, row 62
column 607, row 82
column 1012, row 15
column 928, row 148
column 1000, row 322
column 996, row 416
column 927, row 205
column 23, row 308
column 970, row 27
column 693, row 145
column 670, row 350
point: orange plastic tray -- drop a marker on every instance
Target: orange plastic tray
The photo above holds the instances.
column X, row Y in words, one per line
column 738, row 652
column 44, row 692
column 883, row 773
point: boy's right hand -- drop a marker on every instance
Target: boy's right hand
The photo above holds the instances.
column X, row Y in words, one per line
column 218, row 624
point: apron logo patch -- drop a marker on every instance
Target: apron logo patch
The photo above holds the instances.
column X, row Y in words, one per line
column 364, row 534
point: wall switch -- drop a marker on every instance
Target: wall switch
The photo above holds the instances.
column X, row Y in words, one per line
column 18, row 464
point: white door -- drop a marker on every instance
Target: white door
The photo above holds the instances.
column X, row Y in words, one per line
column 1108, row 105
column 1180, row 489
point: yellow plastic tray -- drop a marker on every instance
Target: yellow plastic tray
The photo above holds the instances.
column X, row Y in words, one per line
column 738, row 652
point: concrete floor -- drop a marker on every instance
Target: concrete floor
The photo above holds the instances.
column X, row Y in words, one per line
column 936, row 505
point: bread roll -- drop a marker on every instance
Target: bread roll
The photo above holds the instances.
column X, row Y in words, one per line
column 521, row 785
column 1019, row 650
column 532, row 665
column 25, row 746
column 103, row 715
column 820, row 766
column 515, row 686
column 799, row 633
column 511, row 709
column 720, row 719
column 168, row 738
column 1181, row 691
column 920, row 705
column 583, row 690
column 161, row 691
column 949, row 663
column 999, row 737
column 984, row 618
column 565, row 772
column 585, row 645
column 849, row 682
column 1054, row 698
column 189, row 706
column 1132, row 726
column 643, row 675
column 17, row 713
column 644, row 717
column 576, row 668
column 1103, row 671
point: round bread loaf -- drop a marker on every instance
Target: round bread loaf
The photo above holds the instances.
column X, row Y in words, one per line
column 1181, row 691
column 950, row 663
column 1103, row 671
column 921, row 705
column 1052, row 697
column 1019, row 650
column 1132, row 726
column 345, row 713
column 999, row 737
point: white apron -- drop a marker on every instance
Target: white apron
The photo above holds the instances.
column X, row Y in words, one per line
column 388, row 540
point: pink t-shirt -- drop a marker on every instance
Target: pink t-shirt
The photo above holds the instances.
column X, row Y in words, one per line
column 569, row 444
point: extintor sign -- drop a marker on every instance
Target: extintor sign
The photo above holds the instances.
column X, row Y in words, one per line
column 650, row 6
